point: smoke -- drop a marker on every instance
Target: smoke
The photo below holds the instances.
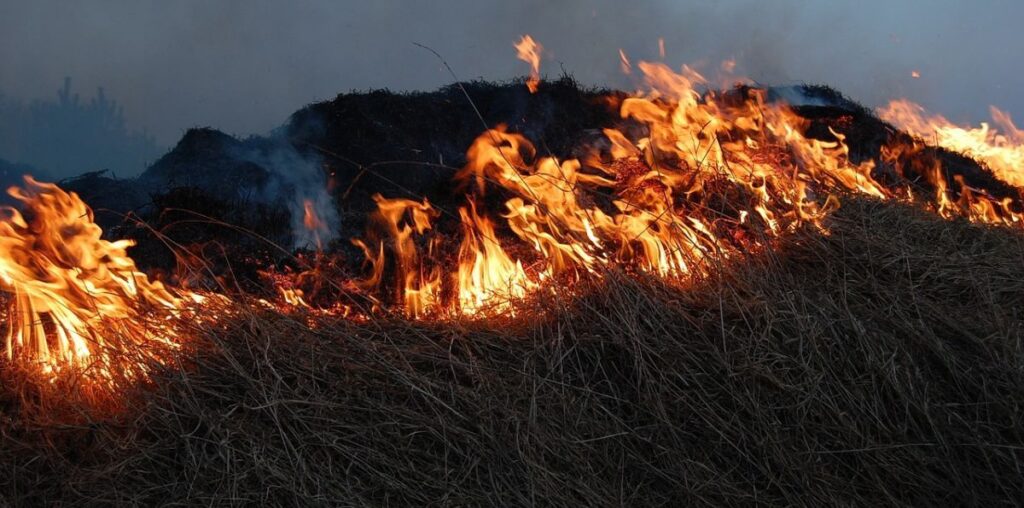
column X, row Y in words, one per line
column 299, row 183
column 243, row 66
column 797, row 96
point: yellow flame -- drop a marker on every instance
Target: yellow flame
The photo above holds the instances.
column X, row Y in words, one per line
column 487, row 279
column 1000, row 146
column 76, row 300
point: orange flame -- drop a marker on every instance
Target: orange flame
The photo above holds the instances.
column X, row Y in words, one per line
column 312, row 222
column 309, row 218
column 709, row 176
column 529, row 51
column 1000, row 147
column 396, row 223
column 76, row 300
column 656, row 188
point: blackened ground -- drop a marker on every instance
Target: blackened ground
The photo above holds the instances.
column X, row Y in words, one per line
column 882, row 364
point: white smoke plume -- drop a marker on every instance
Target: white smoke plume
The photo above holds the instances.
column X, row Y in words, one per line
column 299, row 183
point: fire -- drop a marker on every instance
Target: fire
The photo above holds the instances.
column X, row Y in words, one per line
column 312, row 222
column 529, row 51
column 487, row 277
column 709, row 176
column 698, row 178
column 658, row 185
column 1000, row 146
column 741, row 156
column 950, row 198
column 624, row 65
column 309, row 218
column 76, row 301
column 396, row 225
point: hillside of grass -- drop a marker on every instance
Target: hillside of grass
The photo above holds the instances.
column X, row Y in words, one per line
column 881, row 363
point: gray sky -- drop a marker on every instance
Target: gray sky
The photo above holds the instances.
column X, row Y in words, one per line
column 243, row 66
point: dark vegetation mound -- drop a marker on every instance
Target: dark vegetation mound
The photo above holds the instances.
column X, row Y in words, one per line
column 410, row 145
column 879, row 365
column 397, row 144
column 413, row 142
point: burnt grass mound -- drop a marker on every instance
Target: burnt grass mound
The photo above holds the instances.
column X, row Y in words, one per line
column 882, row 363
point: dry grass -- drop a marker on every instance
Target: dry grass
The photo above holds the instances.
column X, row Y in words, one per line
column 882, row 364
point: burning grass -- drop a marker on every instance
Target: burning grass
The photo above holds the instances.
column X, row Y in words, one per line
column 712, row 308
column 880, row 363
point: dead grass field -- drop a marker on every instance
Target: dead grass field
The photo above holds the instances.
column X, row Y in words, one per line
column 881, row 364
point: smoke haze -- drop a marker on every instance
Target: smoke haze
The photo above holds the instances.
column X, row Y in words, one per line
column 244, row 66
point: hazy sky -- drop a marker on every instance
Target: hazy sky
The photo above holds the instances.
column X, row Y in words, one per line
column 243, row 66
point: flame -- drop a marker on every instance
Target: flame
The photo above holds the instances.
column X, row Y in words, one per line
column 312, row 222
column 915, row 74
column 293, row 297
column 529, row 51
column 624, row 65
column 396, row 224
column 76, row 300
column 658, row 191
column 914, row 162
column 656, row 221
column 488, row 279
column 485, row 279
column 999, row 146
column 710, row 175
